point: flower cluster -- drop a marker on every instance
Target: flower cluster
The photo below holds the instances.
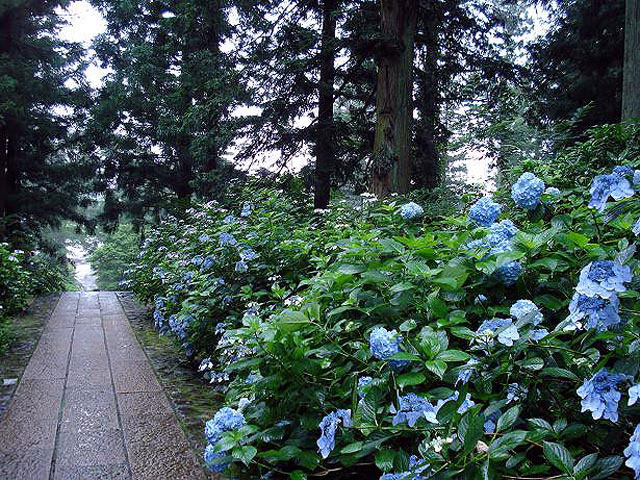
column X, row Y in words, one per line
column 600, row 395
column 411, row 210
column 328, row 426
column 632, row 452
column 225, row 420
column 416, row 468
column 527, row 190
column 485, row 212
column 412, row 408
column 605, row 186
column 525, row 311
column 502, row 329
column 384, row 344
column 595, row 298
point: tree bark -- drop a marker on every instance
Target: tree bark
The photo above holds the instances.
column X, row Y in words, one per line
column 325, row 154
column 427, row 171
column 631, row 75
column 391, row 160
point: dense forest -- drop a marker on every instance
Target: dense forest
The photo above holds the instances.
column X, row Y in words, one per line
column 396, row 236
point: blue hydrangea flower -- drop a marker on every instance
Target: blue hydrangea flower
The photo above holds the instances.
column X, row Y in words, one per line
column 207, row 263
column 603, row 278
column 464, row 406
column 553, row 191
column 416, row 468
column 485, row 212
column 158, row 318
column 229, row 219
column 527, row 190
column 525, row 311
column 226, row 239
column 505, row 229
column 505, row 331
column 623, row 171
column 246, row 210
column 636, row 228
column 204, row 238
column 411, row 210
column 600, row 395
column 636, row 177
column 467, row 370
column 225, row 420
column 634, row 394
column 384, row 343
column 188, row 277
column 210, row 456
column 508, row 273
column 605, row 186
column 480, row 299
column 491, row 422
column 632, row 452
column 328, row 426
column 247, row 255
column 197, row 260
column 516, row 392
column 601, row 314
column 539, row 334
column 411, row 409
column 363, row 384
column 241, row 267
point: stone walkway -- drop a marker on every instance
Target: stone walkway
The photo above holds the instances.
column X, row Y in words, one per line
column 89, row 405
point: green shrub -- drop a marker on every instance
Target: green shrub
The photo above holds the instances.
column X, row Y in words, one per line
column 305, row 333
column 113, row 256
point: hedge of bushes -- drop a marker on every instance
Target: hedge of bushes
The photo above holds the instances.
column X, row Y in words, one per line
column 370, row 341
column 23, row 275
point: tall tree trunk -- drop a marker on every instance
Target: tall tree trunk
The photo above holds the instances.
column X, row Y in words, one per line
column 325, row 154
column 428, row 159
column 391, row 160
column 631, row 82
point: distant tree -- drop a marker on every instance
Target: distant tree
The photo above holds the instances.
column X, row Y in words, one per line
column 43, row 97
column 580, row 62
column 162, row 121
column 631, row 86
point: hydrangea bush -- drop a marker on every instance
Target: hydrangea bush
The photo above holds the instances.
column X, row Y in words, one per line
column 364, row 342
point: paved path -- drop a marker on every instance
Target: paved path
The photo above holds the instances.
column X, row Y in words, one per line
column 89, row 405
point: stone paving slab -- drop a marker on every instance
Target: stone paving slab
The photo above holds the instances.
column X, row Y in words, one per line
column 89, row 405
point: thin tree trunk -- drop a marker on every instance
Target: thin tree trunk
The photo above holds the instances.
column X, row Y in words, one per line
column 325, row 154
column 391, row 160
column 631, row 82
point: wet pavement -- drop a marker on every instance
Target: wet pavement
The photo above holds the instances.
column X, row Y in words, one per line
column 89, row 406
column 83, row 271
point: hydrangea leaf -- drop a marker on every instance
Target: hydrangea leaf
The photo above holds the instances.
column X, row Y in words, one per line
column 558, row 456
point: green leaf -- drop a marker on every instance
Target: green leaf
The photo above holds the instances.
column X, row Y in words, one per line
column 405, row 356
column 585, row 463
column 559, row 373
column 508, row 418
column 245, row 454
column 558, row 456
column 352, row 448
column 501, row 445
column 437, row 367
column 384, row 460
column 347, row 269
column 292, row 320
column 605, row 467
column 474, row 432
column 535, row 363
column 541, row 423
column 578, row 239
column 453, row 356
column 408, row 379
column 298, row 475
